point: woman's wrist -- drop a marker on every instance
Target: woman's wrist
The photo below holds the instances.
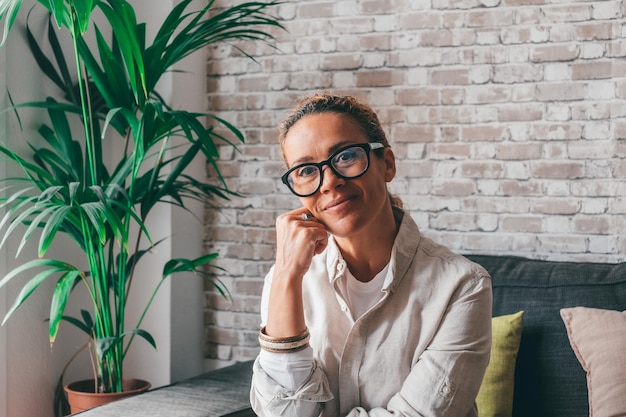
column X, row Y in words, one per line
column 283, row 344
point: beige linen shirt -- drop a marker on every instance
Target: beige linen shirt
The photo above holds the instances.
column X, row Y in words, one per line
column 420, row 351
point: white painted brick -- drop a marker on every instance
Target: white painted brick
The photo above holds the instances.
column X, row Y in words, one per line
column 617, row 205
column 416, row 115
column 487, row 222
column 484, row 151
column 346, row 7
column 597, row 130
column 557, row 112
column 518, row 54
column 488, row 37
column 594, row 206
column 593, row 50
column 607, row 10
column 557, row 224
column 417, row 76
column 524, row 243
column 592, row 149
column 480, row 74
column 601, row 90
column 453, row 221
column 525, row 92
column 517, row 170
column 563, row 243
column 556, row 72
column 343, row 79
column 386, row 23
column 486, row 114
column 384, row 97
column 591, row 187
column 557, row 188
column 416, row 150
column 487, row 187
column 603, row 244
column 486, row 241
column 598, row 169
column 374, row 60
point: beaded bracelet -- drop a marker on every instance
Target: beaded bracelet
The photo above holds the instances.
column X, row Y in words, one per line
column 283, row 344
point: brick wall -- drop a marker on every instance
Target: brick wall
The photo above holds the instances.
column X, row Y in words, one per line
column 507, row 117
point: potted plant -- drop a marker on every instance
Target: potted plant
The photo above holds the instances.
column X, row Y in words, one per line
column 67, row 187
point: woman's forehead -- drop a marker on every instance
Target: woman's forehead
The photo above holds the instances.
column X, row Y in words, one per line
column 315, row 137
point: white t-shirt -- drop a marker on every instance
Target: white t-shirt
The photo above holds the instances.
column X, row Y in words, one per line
column 291, row 369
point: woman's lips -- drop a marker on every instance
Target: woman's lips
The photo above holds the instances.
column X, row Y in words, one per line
column 337, row 203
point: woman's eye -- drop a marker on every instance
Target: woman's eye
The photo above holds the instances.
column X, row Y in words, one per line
column 346, row 156
column 307, row 171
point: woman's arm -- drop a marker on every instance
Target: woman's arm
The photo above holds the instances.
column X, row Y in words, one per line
column 289, row 383
column 297, row 241
column 295, row 387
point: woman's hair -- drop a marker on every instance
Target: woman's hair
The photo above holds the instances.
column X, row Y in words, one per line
column 361, row 113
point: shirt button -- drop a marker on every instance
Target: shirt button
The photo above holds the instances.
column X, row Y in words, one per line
column 446, row 389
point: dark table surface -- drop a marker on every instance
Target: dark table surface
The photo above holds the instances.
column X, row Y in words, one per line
column 224, row 392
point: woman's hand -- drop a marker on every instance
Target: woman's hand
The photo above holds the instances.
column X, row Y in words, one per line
column 298, row 239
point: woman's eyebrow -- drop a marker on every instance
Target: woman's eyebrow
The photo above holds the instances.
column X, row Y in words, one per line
column 331, row 150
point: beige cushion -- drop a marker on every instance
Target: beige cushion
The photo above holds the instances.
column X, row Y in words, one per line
column 598, row 338
column 495, row 398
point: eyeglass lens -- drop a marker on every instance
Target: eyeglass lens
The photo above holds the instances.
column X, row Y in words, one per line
column 348, row 163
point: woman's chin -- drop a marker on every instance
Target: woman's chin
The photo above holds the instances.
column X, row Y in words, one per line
column 343, row 228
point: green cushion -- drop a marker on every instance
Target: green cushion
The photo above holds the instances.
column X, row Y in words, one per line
column 495, row 398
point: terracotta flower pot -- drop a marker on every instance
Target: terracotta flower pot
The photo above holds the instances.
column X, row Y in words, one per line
column 82, row 396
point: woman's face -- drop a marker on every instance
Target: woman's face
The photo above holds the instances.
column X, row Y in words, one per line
column 344, row 206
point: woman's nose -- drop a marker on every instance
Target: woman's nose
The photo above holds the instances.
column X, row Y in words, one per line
column 330, row 180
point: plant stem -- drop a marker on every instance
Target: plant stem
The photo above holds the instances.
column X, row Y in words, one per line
column 84, row 101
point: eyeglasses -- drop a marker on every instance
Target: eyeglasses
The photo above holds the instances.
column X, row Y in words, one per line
column 347, row 163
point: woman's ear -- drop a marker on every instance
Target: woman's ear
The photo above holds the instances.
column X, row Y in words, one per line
column 390, row 164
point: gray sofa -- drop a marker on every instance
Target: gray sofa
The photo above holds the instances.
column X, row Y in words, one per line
column 549, row 381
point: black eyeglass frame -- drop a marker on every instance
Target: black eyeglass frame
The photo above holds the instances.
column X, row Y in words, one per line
column 367, row 147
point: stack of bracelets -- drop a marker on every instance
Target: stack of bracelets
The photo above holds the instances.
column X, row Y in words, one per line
column 283, row 344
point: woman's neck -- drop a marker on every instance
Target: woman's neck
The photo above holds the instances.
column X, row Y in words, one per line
column 368, row 252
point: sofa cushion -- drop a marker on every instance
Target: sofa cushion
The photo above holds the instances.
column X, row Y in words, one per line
column 598, row 338
column 495, row 398
column 549, row 381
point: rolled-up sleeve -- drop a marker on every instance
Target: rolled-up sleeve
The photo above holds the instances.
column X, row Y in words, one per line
column 269, row 398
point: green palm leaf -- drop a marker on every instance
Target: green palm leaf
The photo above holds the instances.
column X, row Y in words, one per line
column 51, row 266
column 59, row 300
column 85, row 326
column 20, row 219
column 34, row 225
column 123, row 21
column 8, row 11
column 55, row 222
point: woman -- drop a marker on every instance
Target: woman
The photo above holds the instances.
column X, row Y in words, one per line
column 361, row 314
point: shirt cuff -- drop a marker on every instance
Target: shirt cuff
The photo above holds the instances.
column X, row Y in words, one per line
column 290, row 370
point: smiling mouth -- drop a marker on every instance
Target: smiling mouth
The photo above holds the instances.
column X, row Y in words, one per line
column 337, row 202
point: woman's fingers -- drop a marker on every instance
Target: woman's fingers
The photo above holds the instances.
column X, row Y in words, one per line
column 299, row 237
